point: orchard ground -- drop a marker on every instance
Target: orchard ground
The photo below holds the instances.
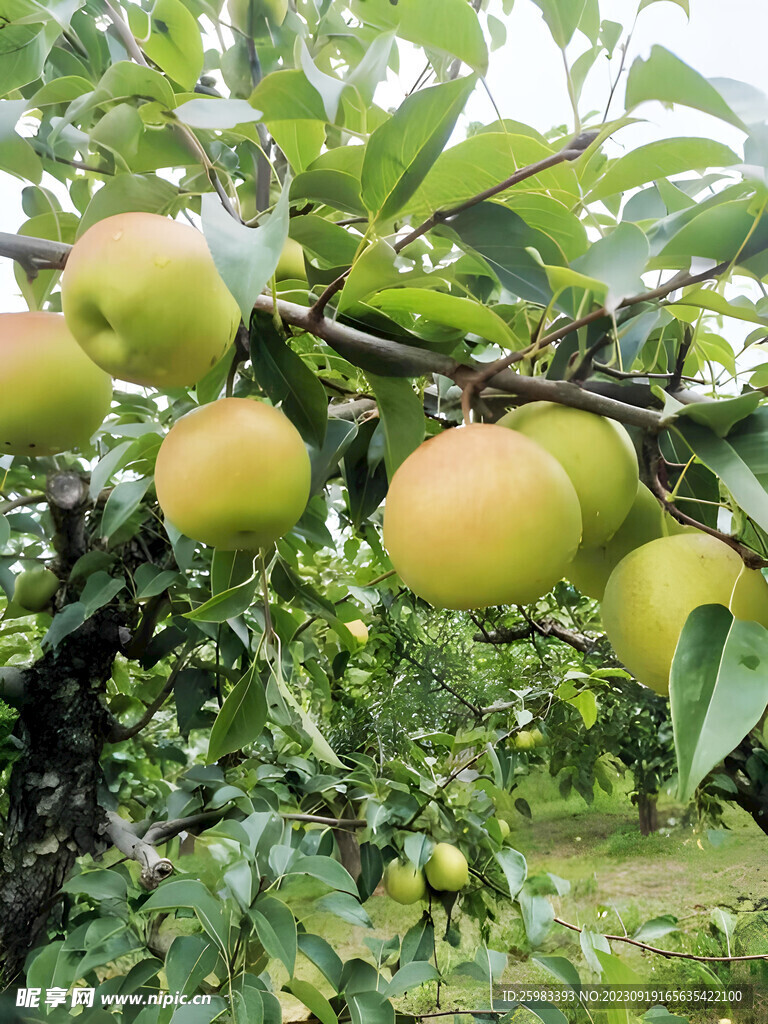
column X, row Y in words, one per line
column 618, row 880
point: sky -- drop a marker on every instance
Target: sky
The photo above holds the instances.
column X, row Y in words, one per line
column 527, row 81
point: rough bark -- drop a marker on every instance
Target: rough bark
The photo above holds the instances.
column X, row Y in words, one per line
column 54, row 813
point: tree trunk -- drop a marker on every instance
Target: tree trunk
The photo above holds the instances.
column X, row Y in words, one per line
column 54, row 812
column 646, row 809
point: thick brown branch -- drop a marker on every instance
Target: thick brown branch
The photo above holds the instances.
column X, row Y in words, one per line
column 382, row 355
column 541, row 627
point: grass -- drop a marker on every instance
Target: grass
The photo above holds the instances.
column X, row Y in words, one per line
column 618, row 880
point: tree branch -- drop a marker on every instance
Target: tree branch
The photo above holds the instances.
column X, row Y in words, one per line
column 25, row 499
column 668, row 953
column 122, row 834
column 571, row 151
column 378, row 355
column 541, row 627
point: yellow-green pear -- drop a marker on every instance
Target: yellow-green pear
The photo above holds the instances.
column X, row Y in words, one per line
column 590, row 569
column 503, row 828
column 52, row 397
column 481, row 515
column 291, row 263
column 404, row 883
column 525, row 740
column 245, row 15
column 34, row 588
column 447, row 869
column 359, row 631
column 596, row 453
column 653, row 590
column 233, row 474
column 142, row 296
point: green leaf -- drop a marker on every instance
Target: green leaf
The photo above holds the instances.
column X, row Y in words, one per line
column 451, row 310
column 241, row 718
column 664, row 77
column 122, row 502
column 483, row 161
column 660, row 160
column 100, row 588
column 23, row 52
column 216, row 114
column 174, row 42
column 739, row 307
column 65, row 622
column 680, row 3
column 326, row 870
column 230, row 569
column 288, row 380
column 301, row 141
column 402, row 150
column 323, row 956
column 328, row 87
column 370, row 1008
column 145, row 193
column 125, row 80
column 316, row 1003
column 346, row 907
column 562, row 18
column 16, row 155
column 722, row 415
column 402, row 417
column 286, row 96
column 320, row 746
column 101, row 885
column 656, row 928
column 150, row 580
column 456, row 32
column 226, row 605
column 515, row 869
column 538, row 916
column 723, row 460
column 190, row 959
column 245, row 257
column 109, row 464
column 410, row 976
column 418, row 942
column 618, row 259
column 503, row 238
column 276, row 928
column 5, row 532
column 718, row 690
column 562, row 969
column 193, row 895
column 586, row 704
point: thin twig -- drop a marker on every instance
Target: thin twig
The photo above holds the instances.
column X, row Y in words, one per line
column 26, row 499
column 571, row 151
column 668, row 953
column 119, row 733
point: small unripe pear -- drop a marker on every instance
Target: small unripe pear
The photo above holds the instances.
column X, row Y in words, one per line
column 447, row 869
column 34, row 588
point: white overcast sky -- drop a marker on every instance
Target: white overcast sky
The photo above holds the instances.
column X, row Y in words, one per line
column 526, row 79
